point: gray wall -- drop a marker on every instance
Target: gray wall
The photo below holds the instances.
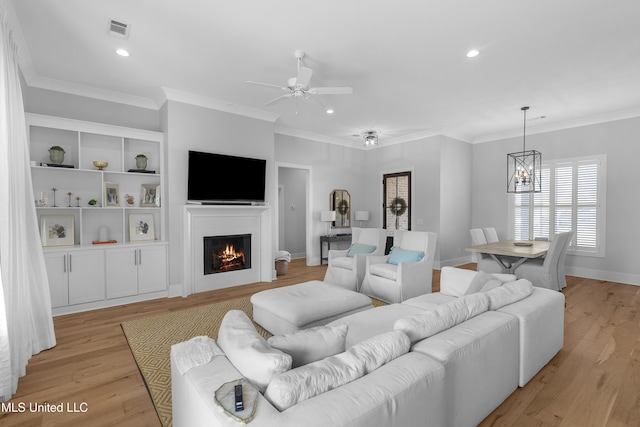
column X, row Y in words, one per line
column 190, row 127
column 619, row 141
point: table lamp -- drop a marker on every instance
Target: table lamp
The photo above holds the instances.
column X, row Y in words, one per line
column 328, row 217
column 362, row 216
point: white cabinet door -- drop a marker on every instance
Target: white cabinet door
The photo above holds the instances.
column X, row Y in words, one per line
column 122, row 272
column 86, row 276
column 152, row 268
column 56, row 264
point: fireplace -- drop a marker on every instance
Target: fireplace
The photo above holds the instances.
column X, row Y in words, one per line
column 201, row 222
column 227, row 253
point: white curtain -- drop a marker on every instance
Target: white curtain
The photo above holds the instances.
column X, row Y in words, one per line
column 26, row 324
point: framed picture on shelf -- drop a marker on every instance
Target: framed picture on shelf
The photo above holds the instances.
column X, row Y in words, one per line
column 150, row 195
column 57, row 230
column 141, row 227
column 111, row 196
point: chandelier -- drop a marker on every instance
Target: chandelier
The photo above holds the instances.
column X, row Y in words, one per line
column 524, row 168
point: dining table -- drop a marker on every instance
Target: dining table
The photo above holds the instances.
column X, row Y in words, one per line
column 520, row 250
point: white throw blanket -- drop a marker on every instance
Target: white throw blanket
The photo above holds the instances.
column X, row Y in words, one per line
column 195, row 352
column 282, row 256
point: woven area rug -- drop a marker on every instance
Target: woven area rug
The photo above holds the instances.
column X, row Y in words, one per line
column 151, row 338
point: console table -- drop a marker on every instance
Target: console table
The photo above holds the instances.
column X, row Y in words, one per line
column 329, row 239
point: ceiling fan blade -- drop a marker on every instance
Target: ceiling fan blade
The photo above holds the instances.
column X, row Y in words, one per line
column 278, row 99
column 267, row 85
column 331, row 90
column 304, row 76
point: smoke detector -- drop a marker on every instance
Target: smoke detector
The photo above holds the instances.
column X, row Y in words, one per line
column 118, row 29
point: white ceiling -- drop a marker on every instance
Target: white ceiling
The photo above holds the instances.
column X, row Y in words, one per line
column 572, row 61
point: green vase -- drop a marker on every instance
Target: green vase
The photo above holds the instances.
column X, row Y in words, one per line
column 141, row 162
column 56, row 156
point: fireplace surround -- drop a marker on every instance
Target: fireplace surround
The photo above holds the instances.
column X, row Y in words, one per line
column 246, row 226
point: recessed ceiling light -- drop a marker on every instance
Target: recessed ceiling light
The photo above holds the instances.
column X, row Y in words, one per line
column 330, row 111
column 473, row 53
column 122, row 52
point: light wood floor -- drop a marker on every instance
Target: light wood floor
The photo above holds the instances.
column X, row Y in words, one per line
column 593, row 381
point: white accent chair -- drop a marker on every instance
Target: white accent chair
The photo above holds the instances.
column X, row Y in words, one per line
column 548, row 272
column 484, row 261
column 395, row 283
column 348, row 272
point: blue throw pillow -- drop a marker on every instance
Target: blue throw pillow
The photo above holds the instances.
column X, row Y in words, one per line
column 399, row 255
column 360, row 248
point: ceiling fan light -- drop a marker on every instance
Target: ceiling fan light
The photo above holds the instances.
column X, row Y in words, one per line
column 370, row 140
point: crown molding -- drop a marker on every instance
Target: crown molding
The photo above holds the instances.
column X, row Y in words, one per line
column 567, row 124
column 282, row 130
column 215, row 104
column 90, row 92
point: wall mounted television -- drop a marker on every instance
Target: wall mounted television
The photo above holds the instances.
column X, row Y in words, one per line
column 223, row 179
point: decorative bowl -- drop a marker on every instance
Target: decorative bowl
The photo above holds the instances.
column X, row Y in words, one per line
column 100, row 165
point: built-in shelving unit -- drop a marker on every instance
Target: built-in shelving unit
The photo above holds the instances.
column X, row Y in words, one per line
column 84, row 275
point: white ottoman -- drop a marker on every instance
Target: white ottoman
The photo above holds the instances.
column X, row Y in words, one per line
column 290, row 308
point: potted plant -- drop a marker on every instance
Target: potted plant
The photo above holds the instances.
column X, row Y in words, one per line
column 56, row 154
column 141, row 161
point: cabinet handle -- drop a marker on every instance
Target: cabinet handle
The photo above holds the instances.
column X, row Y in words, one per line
column 64, row 263
column 135, row 257
column 70, row 268
column 140, row 256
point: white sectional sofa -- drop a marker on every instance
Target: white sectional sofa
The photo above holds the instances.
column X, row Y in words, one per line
column 463, row 355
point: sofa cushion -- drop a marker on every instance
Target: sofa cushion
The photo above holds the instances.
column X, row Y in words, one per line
column 445, row 316
column 388, row 271
column 342, row 262
column 249, row 352
column 360, row 248
column 399, row 255
column 297, row 385
column 455, row 282
column 509, row 293
column 309, row 345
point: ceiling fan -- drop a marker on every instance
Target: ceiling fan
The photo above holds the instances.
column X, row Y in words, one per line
column 299, row 86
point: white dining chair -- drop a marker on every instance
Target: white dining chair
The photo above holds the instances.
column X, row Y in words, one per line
column 484, row 261
column 491, row 234
column 548, row 272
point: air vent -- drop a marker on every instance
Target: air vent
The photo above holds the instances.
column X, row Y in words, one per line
column 118, row 29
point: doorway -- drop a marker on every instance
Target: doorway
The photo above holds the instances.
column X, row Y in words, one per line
column 293, row 210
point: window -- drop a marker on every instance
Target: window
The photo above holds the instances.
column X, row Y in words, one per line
column 397, row 201
column 572, row 198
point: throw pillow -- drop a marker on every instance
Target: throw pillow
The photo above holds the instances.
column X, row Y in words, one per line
column 251, row 354
column 309, row 345
column 194, row 352
column 360, row 248
column 399, row 255
column 310, row 380
column 445, row 316
column 455, row 282
column 509, row 293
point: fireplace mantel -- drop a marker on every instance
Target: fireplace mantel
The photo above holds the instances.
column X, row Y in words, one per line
column 204, row 221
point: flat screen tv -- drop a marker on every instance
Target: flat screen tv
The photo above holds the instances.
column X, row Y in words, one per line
column 219, row 178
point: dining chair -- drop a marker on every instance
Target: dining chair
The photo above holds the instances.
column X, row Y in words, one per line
column 548, row 272
column 491, row 234
column 406, row 272
column 347, row 267
column 484, row 261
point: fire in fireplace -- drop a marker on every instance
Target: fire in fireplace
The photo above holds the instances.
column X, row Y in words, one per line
column 227, row 253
